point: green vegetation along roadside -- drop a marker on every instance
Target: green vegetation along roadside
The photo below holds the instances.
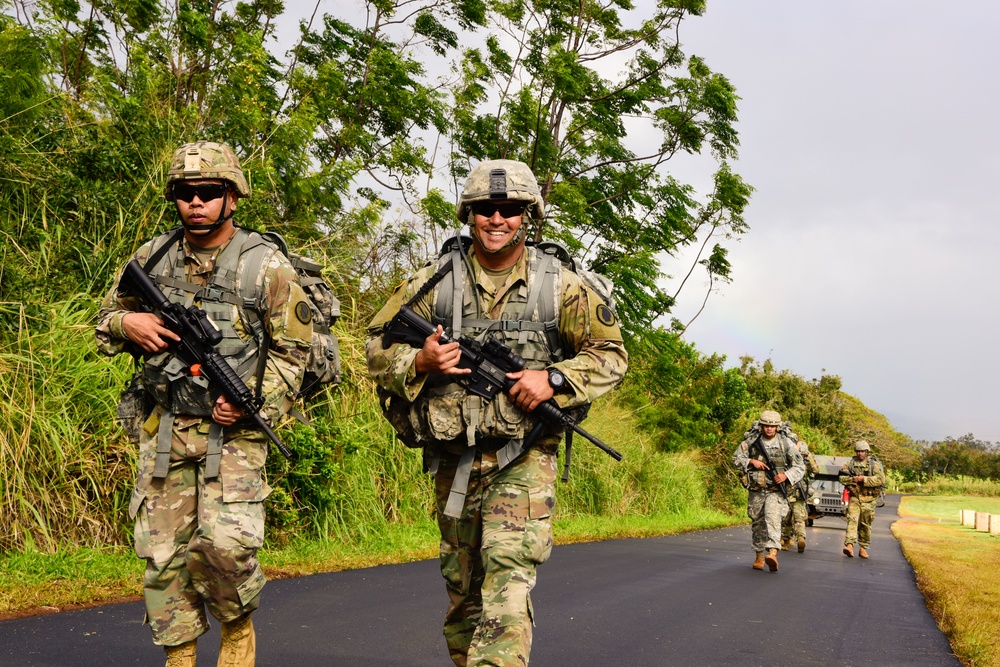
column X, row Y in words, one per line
column 956, row 569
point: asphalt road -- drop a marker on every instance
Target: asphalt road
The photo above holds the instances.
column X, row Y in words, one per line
column 681, row 600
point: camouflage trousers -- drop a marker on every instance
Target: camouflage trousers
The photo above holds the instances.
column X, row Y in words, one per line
column 860, row 515
column 766, row 510
column 199, row 537
column 490, row 554
column 794, row 523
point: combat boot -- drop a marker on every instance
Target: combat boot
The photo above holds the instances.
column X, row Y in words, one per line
column 759, row 563
column 784, row 543
column 802, row 544
column 849, row 550
column 182, row 655
column 862, row 552
column 239, row 643
column 772, row 560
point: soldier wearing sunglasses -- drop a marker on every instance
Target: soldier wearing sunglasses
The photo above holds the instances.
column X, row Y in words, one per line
column 495, row 487
column 198, row 498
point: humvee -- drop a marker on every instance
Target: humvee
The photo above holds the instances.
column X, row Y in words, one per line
column 826, row 493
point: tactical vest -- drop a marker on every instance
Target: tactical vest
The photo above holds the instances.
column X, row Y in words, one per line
column 865, row 492
column 758, row 480
column 234, row 303
column 529, row 324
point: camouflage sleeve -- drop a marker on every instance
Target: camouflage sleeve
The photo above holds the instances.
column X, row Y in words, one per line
column 590, row 331
column 111, row 338
column 812, row 467
column 845, row 475
column 393, row 368
column 289, row 324
column 741, row 457
column 797, row 470
column 877, row 480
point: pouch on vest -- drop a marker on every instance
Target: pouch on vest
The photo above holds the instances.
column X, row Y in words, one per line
column 397, row 412
column 134, row 406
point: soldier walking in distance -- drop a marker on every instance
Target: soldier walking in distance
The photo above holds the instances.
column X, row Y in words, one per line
column 198, row 499
column 794, row 524
column 495, row 496
column 771, row 464
column 864, row 478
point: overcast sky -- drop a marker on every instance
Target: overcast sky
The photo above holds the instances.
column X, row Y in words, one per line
column 871, row 132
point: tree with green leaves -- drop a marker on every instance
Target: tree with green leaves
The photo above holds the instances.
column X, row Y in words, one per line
column 597, row 98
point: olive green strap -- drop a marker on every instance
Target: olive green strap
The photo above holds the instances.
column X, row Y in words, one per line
column 164, row 439
column 460, row 485
column 213, row 455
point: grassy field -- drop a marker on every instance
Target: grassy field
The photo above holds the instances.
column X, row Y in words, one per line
column 956, row 570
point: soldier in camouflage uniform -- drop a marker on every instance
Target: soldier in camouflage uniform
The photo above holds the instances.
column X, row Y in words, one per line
column 864, row 478
column 198, row 498
column 495, row 501
column 794, row 524
column 766, row 505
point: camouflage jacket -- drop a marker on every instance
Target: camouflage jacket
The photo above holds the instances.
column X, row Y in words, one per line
column 595, row 357
column 290, row 338
column 868, row 489
column 783, row 454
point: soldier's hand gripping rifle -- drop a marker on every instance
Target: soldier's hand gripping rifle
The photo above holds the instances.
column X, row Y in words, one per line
column 770, row 470
column 196, row 347
column 489, row 362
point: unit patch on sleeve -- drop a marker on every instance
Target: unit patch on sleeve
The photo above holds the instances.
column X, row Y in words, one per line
column 302, row 312
column 605, row 316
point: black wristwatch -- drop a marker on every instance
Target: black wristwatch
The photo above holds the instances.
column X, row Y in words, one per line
column 556, row 379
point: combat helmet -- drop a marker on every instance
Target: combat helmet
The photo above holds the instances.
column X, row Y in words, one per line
column 862, row 446
column 770, row 418
column 205, row 159
column 499, row 180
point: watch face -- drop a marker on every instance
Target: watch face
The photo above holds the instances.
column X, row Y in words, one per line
column 556, row 379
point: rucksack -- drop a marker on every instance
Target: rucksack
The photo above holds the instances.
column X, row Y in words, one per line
column 601, row 284
column 323, row 365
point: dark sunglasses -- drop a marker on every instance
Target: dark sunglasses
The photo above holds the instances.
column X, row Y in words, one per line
column 206, row 192
column 509, row 210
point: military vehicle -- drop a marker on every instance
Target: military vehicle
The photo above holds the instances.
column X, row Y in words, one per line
column 826, row 493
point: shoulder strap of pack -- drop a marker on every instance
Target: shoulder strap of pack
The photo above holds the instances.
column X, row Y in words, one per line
column 544, row 286
column 173, row 236
column 255, row 248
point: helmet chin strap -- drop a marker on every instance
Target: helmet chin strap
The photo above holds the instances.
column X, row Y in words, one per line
column 514, row 240
column 211, row 227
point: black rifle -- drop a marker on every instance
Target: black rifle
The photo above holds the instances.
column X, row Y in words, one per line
column 770, row 470
column 198, row 337
column 803, row 489
column 489, row 362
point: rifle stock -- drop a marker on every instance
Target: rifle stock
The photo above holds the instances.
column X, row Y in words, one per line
column 198, row 336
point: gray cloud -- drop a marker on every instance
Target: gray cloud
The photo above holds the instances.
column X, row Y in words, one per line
column 869, row 130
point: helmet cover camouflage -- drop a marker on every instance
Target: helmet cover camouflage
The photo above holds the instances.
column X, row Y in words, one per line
column 862, row 446
column 206, row 159
column 501, row 180
column 770, row 418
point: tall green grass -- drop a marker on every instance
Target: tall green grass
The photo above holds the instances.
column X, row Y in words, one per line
column 62, row 463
